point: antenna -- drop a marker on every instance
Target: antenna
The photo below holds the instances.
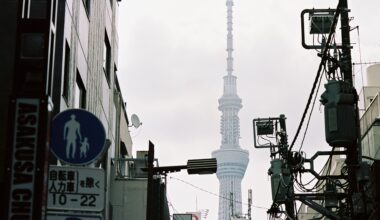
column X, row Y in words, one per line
column 230, row 48
column 196, row 203
column 135, row 121
column 249, row 203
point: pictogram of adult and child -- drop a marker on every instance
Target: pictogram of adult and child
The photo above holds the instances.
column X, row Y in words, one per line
column 71, row 132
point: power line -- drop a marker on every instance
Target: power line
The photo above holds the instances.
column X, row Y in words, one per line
column 171, row 204
column 369, row 158
column 311, row 112
column 214, row 194
column 360, row 56
column 366, row 63
column 321, row 64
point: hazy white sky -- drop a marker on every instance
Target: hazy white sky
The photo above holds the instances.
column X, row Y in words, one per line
column 171, row 62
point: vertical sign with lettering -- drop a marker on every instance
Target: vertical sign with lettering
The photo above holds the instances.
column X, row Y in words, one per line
column 23, row 176
column 30, row 108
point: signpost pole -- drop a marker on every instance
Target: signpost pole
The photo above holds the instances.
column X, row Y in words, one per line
column 149, row 207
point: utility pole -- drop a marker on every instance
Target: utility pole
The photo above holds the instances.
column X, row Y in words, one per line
column 194, row 166
column 284, row 152
column 280, row 170
column 353, row 152
column 342, row 130
column 342, row 125
column 149, row 207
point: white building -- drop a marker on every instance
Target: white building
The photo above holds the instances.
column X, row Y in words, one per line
column 86, row 73
column 369, row 121
column 232, row 160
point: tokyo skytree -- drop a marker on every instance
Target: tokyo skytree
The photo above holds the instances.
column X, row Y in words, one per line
column 232, row 160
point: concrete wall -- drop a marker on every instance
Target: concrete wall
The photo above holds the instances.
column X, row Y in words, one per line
column 125, row 135
column 366, row 96
column 129, row 199
column 371, row 142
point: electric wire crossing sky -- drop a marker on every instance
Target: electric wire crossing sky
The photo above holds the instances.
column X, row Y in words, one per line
column 232, row 160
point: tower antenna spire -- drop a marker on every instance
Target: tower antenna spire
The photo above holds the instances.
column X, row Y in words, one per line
column 230, row 47
column 232, row 160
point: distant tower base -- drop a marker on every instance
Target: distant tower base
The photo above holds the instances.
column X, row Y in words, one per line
column 232, row 160
column 232, row 164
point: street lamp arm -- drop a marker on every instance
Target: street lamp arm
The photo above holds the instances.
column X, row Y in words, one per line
column 197, row 166
column 166, row 169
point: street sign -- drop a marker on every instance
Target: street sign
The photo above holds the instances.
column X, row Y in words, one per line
column 76, row 188
column 182, row 216
column 77, row 137
column 72, row 216
column 24, row 143
column 27, row 164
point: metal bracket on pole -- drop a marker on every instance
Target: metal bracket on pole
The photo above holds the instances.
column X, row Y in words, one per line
column 321, row 153
column 312, row 11
column 317, row 207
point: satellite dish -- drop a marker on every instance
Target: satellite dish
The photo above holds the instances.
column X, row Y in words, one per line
column 135, row 121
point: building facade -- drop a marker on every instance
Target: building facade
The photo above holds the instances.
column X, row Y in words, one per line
column 83, row 72
column 370, row 134
column 86, row 74
column 369, row 120
column 8, row 20
column 232, row 160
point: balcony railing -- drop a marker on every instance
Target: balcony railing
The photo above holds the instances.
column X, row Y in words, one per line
column 370, row 116
column 131, row 168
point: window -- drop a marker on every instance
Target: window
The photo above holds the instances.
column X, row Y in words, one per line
column 87, row 5
column 54, row 8
column 66, row 73
column 80, row 93
column 107, row 58
column 116, row 89
column 37, row 9
column 123, row 149
column 51, row 62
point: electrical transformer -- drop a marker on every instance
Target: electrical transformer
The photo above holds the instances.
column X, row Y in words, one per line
column 280, row 181
column 339, row 99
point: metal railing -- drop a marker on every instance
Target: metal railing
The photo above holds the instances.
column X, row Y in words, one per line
column 131, row 168
column 369, row 117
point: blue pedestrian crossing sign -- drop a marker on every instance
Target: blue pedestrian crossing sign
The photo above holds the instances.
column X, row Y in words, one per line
column 77, row 137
